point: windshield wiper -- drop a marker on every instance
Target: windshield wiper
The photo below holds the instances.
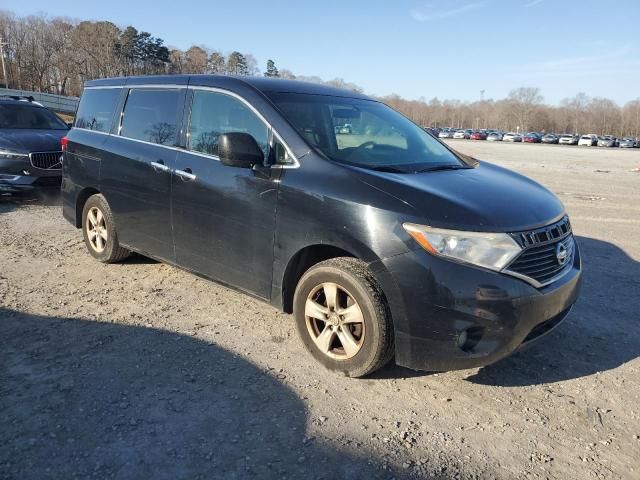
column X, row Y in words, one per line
column 388, row 168
column 408, row 169
column 441, row 167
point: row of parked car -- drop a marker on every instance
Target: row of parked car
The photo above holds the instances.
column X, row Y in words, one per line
column 590, row 140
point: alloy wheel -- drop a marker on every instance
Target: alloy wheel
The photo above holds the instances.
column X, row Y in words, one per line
column 96, row 229
column 334, row 321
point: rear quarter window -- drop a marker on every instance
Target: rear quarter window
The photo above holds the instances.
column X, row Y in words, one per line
column 96, row 109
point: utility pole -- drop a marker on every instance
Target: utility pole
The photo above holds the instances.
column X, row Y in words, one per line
column 4, row 67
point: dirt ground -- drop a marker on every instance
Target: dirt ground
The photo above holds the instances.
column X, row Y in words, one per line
column 140, row 370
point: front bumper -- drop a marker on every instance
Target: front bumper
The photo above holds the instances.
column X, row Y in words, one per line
column 20, row 175
column 449, row 316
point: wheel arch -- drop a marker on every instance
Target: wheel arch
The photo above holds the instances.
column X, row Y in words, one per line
column 309, row 255
column 300, row 262
column 81, row 199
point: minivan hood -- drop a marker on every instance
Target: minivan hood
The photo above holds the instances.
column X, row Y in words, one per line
column 484, row 198
column 26, row 141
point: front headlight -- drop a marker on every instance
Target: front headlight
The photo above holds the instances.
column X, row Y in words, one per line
column 11, row 155
column 489, row 250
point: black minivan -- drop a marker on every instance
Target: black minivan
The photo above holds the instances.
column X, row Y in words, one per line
column 381, row 240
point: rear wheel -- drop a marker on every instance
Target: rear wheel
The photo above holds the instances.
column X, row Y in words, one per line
column 99, row 231
column 342, row 317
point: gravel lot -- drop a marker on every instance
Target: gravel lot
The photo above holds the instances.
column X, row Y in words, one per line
column 140, row 370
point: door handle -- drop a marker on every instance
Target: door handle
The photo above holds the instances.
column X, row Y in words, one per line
column 159, row 166
column 185, row 175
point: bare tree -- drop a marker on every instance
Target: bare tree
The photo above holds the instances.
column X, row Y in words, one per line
column 341, row 83
column 196, row 59
column 216, row 63
column 251, row 65
column 523, row 102
column 605, row 115
column 176, row 61
column 631, row 118
column 237, row 64
column 287, row 74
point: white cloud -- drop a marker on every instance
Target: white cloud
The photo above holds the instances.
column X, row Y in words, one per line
column 602, row 62
column 432, row 12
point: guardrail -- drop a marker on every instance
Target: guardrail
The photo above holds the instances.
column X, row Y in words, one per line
column 57, row 103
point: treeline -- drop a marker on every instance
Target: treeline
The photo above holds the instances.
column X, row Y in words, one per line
column 57, row 55
column 525, row 110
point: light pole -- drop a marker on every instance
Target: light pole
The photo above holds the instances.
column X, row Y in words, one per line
column 4, row 67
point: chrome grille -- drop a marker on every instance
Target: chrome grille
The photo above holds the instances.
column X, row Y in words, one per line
column 46, row 160
column 541, row 259
column 544, row 235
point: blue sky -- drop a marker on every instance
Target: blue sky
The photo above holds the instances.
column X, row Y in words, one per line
column 427, row 49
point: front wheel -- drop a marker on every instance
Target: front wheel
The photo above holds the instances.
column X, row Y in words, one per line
column 343, row 318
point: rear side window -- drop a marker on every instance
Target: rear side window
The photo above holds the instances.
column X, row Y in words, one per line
column 96, row 108
column 152, row 115
column 213, row 114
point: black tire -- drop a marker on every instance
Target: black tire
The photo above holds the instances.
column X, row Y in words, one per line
column 111, row 252
column 352, row 275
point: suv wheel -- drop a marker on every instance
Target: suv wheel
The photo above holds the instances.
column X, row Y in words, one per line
column 99, row 231
column 342, row 317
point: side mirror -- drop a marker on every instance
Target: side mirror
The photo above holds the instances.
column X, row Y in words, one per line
column 238, row 149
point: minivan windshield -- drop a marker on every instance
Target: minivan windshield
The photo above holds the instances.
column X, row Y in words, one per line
column 25, row 116
column 364, row 133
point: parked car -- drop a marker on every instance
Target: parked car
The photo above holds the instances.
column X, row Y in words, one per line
column 512, row 137
column 478, row 135
column 446, row 133
column 392, row 245
column 466, row 134
column 568, row 139
column 495, row 137
column 627, row 142
column 608, row 141
column 30, row 154
column 588, row 140
column 532, row 137
column 550, row 138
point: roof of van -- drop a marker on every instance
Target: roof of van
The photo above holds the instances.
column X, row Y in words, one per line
column 262, row 84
